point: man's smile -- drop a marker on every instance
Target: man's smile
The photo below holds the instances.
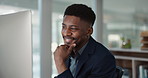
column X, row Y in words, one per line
column 69, row 40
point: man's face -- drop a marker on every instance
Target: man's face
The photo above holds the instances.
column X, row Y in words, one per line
column 75, row 30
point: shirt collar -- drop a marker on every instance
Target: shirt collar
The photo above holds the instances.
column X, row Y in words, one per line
column 79, row 52
column 82, row 49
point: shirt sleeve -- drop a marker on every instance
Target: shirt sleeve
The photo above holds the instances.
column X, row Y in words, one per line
column 65, row 74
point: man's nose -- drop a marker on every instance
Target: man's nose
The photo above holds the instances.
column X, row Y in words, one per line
column 67, row 32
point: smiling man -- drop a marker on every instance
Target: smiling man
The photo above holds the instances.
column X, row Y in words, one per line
column 81, row 56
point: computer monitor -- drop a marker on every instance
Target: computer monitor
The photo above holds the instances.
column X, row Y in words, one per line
column 16, row 45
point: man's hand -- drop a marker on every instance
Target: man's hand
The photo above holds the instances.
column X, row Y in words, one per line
column 60, row 55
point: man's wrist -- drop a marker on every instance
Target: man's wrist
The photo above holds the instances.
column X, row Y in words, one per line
column 61, row 67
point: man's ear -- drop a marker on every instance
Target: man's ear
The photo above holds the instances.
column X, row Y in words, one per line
column 90, row 31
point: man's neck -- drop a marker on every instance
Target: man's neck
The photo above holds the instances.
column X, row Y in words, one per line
column 78, row 52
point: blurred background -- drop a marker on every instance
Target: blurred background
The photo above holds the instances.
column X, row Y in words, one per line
column 121, row 20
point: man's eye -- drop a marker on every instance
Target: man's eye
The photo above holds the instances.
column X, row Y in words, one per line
column 74, row 28
column 63, row 27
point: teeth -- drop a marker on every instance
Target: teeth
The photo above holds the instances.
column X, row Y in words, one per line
column 68, row 40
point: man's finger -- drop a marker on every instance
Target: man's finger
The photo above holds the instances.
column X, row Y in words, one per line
column 71, row 48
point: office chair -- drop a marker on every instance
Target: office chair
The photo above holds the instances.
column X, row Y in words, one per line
column 119, row 72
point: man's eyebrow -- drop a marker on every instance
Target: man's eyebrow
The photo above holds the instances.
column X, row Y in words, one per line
column 74, row 26
column 63, row 24
column 71, row 25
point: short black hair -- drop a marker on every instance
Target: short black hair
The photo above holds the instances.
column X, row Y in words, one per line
column 82, row 11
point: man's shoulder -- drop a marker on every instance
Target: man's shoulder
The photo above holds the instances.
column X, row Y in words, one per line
column 100, row 51
column 98, row 46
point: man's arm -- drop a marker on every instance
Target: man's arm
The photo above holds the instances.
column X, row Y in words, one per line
column 106, row 69
column 65, row 74
column 61, row 54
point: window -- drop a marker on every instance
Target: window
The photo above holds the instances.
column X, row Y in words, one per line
column 124, row 19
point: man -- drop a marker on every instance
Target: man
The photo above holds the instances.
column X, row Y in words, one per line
column 81, row 56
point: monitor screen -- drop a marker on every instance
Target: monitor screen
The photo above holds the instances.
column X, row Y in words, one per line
column 16, row 45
